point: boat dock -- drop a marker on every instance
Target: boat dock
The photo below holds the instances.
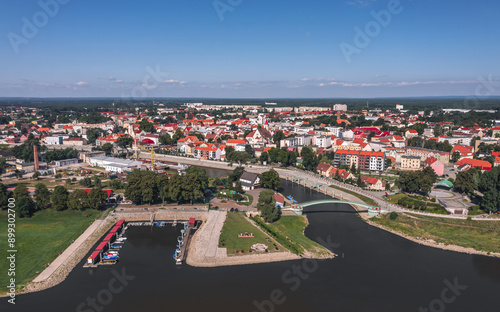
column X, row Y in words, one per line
column 106, row 253
column 183, row 240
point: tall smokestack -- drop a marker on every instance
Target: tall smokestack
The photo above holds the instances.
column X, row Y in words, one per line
column 35, row 155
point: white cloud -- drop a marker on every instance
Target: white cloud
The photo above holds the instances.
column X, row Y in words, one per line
column 81, row 83
column 170, row 81
column 360, row 3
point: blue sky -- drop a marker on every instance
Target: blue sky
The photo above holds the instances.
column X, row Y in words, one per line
column 257, row 49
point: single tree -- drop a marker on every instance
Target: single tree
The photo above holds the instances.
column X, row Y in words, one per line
column 42, row 196
column 60, row 198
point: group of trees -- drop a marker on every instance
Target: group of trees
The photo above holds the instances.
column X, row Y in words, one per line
column 66, row 153
column 417, row 181
column 106, row 148
column 93, row 134
column 488, row 183
column 237, row 156
column 147, row 126
column 267, row 206
column 151, row 187
column 277, row 155
column 59, row 199
column 25, row 150
column 309, row 159
column 270, row 179
column 430, row 144
column 124, row 141
column 232, row 181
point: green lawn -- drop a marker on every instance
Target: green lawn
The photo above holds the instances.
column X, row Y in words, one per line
column 365, row 199
column 432, row 207
column 250, row 199
column 292, row 228
column 480, row 235
column 40, row 239
column 235, row 224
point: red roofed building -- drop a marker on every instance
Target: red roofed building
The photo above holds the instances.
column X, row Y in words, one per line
column 435, row 164
column 260, row 136
column 207, row 152
column 234, row 142
column 465, row 151
column 467, row 163
column 324, row 169
column 280, row 200
column 373, row 183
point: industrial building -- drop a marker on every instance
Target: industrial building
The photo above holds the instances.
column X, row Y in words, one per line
column 65, row 162
column 113, row 164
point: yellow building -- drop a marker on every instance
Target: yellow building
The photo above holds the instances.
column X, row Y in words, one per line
column 410, row 163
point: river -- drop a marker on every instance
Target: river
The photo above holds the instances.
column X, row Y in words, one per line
column 375, row 271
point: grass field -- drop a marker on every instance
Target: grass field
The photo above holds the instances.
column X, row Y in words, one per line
column 365, row 199
column 40, row 239
column 432, row 207
column 480, row 235
column 235, row 224
column 292, row 228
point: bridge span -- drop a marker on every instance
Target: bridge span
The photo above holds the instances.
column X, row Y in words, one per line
column 299, row 208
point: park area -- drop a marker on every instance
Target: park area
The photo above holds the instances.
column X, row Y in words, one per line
column 415, row 202
column 287, row 232
column 480, row 235
column 40, row 239
column 291, row 228
column 236, row 224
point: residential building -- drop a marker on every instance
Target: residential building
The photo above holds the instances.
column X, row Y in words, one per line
column 364, row 160
column 249, row 181
column 411, row 134
column 324, row 141
column 343, row 158
column 324, row 169
column 425, row 153
column 373, row 183
column 411, row 163
column 54, row 140
column 428, row 132
column 340, row 107
column 260, row 136
column 74, row 141
column 435, row 164
column 464, row 151
column 207, row 152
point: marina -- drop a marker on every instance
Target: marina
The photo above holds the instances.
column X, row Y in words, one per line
column 108, row 251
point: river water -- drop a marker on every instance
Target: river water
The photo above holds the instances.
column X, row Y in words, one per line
column 375, row 271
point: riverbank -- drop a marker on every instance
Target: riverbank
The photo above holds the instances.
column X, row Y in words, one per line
column 444, row 233
column 42, row 239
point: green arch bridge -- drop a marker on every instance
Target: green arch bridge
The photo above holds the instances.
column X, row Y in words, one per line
column 299, row 208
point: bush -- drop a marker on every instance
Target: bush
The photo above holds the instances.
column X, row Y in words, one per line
column 433, row 200
column 393, row 216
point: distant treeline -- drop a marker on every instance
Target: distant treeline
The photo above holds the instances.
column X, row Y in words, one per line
column 433, row 103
